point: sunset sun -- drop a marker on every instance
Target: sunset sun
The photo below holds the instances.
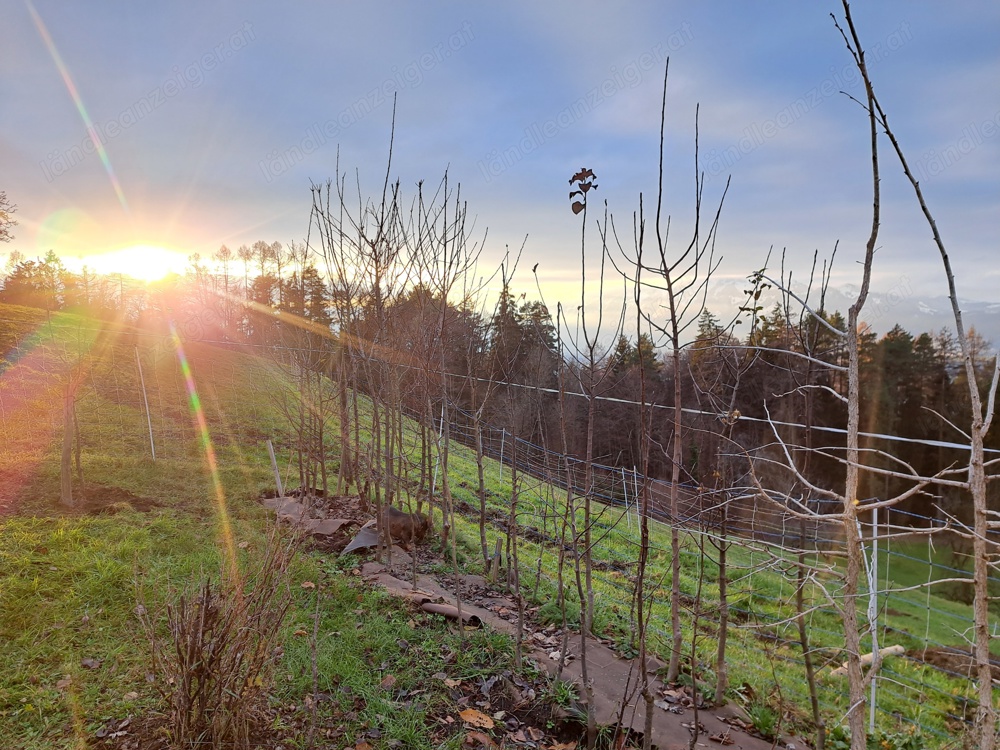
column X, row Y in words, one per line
column 143, row 262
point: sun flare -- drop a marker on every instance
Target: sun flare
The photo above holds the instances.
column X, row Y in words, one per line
column 143, row 262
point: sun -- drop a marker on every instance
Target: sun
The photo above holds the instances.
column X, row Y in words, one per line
column 144, row 262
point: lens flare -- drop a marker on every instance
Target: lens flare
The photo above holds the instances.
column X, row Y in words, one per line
column 143, row 262
column 78, row 101
column 201, row 427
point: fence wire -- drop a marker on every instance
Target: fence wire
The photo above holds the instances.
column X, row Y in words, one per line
column 134, row 399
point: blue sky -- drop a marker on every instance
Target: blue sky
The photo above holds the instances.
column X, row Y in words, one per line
column 216, row 117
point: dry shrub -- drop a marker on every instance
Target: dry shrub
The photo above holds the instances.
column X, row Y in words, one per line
column 214, row 664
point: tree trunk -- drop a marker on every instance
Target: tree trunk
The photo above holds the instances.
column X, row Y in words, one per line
column 78, row 449
column 677, row 640
column 66, row 463
column 852, row 541
column 986, row 718
column 721, row 669
column 481, row 491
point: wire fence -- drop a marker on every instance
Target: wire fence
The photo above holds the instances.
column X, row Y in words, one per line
column 775, row 537
column 138, row 401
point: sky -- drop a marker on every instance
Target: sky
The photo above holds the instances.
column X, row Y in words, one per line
column 214, row 118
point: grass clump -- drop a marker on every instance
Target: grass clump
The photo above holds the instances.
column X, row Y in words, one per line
column 213, row 666
column 765, row 719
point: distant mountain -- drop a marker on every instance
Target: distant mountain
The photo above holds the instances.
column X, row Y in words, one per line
column 882, row 311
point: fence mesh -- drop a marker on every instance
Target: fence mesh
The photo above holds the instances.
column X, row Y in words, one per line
column 135, row 400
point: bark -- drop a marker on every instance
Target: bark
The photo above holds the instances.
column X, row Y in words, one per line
column 721, row 668
column 481, row 488
column 677, row 640
column 66, row 463
column 852, row 543
column 852, row 532
column 986, row 720
column 346, row 474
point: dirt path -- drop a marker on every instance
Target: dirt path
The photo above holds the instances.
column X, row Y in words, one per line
column 672, row 721
column 616, row 699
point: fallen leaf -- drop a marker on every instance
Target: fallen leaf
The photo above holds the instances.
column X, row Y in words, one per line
column 89, row 663
column 308, row 585
column 243, row 545
column 487, row 686
column 362, row 746
column 483, row 740
column 476, row 718
column 131, row 695
column 387, row 682
column 448, row 682
column 64, row 683
column 722, row 738
column 300, row 632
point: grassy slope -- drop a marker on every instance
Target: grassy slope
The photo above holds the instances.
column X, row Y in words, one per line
column 67, row 584
column 764, row 659
column 69, row 581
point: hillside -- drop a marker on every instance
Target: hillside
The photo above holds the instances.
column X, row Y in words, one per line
column 149, row 527
column 77, row 660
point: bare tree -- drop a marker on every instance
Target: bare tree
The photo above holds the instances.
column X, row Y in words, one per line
column 718, row 364
column 980, row 419
column 590, row 369
column 74, row 371
column 225, row 256
column 7, row 222
column 680, row 283
column 858, row 461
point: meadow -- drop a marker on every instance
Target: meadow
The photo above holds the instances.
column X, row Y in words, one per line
column 77, row 659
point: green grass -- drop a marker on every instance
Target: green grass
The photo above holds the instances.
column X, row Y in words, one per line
column 68, row 594
column 764, row 656
column 369, row 640
column 70, row 587
column 68, row 582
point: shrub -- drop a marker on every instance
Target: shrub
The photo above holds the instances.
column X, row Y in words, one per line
column 213, row 666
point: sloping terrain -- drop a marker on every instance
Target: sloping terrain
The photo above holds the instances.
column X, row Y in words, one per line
column 70, row 578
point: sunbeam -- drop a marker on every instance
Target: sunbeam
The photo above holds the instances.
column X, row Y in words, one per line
column 78, row 101
column 201, row 427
